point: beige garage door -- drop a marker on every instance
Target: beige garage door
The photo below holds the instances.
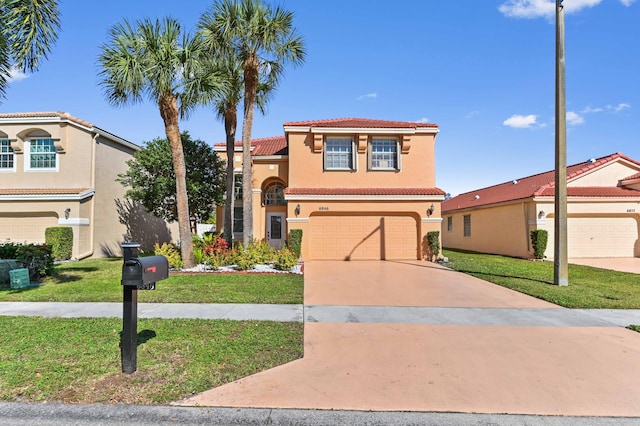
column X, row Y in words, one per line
column 28, row 229
column 602, row 236
column 363, row 237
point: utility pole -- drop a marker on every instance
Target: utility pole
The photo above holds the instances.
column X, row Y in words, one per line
column 560, row 257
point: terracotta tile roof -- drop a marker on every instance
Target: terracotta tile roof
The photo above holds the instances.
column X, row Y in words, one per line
column 59, row 114
column 364, row 191
column 361, row 122
column 542, row 184
column 636, row 176
column 276, row 145
column 42, row 191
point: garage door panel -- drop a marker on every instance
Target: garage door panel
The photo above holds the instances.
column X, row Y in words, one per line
column 28, row 229
column 601, row 236
column 363, row 237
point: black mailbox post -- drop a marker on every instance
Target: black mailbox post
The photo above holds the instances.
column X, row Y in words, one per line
column 137, row 274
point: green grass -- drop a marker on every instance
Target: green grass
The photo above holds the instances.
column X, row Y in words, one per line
column 78, row 360
column 98, row 280
column 589, row 288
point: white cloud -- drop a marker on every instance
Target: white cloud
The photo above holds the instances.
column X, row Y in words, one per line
column 16, row 75
column 619, row 107
column 423, row 120
column 521, row 121
column 574, row 119
column 368, row 96
column 627, row 2
column 589, row 110
column 472, row 114
column 544, row 8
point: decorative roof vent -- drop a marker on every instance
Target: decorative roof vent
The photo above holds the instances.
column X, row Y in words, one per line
column 592, row 160
column 477, row 197
column 514, row 181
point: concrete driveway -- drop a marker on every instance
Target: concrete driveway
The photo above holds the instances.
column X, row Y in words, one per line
column 624, row 264
column 473, row 368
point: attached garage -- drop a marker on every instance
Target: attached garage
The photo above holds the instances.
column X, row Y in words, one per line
column 363, row 237
column 614, row 236
column 28, row 228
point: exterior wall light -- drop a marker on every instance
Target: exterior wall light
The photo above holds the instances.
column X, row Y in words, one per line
column 541, row 214
column 430, row 210
column 67, row 211
column 297, row 210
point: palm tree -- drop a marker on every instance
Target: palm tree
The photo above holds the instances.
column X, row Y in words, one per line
column 157, row 61
column 29, row 29
column 264, row 39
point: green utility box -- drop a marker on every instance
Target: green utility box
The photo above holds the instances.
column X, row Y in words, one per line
column 19, row 278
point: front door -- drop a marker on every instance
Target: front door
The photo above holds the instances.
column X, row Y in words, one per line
column 275, row 229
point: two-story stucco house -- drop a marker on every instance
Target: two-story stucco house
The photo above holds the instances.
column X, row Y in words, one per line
column 603, row 212
column 59, row 170
column 358, row 188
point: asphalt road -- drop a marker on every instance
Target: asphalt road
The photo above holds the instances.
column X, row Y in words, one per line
column 18, row 414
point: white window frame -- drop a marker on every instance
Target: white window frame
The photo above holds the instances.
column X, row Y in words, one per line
column 345, row 140
column 449, row 223
column 386, row 140
column 27, row 156
column 10, row 153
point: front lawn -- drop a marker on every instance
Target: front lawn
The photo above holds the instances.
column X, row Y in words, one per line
column 98, row 280
column 78, row 360
column 589, row 288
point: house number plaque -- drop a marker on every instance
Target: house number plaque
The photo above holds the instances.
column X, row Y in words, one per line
column 323, row 208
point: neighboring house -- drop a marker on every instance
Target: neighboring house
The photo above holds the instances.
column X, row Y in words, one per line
column 603, row 207
column 358, row 188
column 59, row 170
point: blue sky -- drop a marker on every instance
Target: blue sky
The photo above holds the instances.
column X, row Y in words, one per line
column 483, row 70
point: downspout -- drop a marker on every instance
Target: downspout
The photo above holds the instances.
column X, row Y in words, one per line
column 93, row 200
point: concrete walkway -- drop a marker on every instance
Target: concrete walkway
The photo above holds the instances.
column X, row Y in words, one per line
column 525, row 367
column 551, row 317
column 623, row 264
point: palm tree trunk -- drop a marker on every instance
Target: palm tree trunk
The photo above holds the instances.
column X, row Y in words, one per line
column 250, row 88
column 230, row 124
column 169, row 111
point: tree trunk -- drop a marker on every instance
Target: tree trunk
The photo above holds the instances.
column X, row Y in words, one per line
column 230, row 124
column 250, row 87
column 169, row 111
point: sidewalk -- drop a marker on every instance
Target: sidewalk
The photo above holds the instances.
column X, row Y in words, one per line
column 538, row 317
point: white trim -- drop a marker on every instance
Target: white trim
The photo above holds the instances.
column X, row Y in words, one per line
column 48, row 197
column 15, row 158
column 269, row 157
column 256, row 191
column 538, row 222
column 297, row 220
column 369, row 130
column 432, row 220
column 79, row 221
column 365, row 197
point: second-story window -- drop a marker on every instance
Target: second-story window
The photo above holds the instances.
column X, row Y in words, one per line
column 41, row 154
column 237, row 186
column 7, row 159
column 338, row 154
column 274, row 195
column 383, row 154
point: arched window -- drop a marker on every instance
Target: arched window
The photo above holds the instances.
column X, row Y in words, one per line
column 274, row 195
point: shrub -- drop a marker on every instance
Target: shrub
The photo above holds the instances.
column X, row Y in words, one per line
column 171, row 252
column 433, row 239
column 539, row 239
column 295, row 241
column 60, row 239
column 260, row 252
column 285, row 260
column 36, row 257
column 216, row 246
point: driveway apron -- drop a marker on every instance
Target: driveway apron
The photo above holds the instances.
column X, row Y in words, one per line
column 476, row 367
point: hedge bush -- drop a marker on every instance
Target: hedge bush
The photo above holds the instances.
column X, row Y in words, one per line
column 539, row 238
column 171, row 252
column 60, row 239
column 433, row 238
column 295, row 241
column 36, row 257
